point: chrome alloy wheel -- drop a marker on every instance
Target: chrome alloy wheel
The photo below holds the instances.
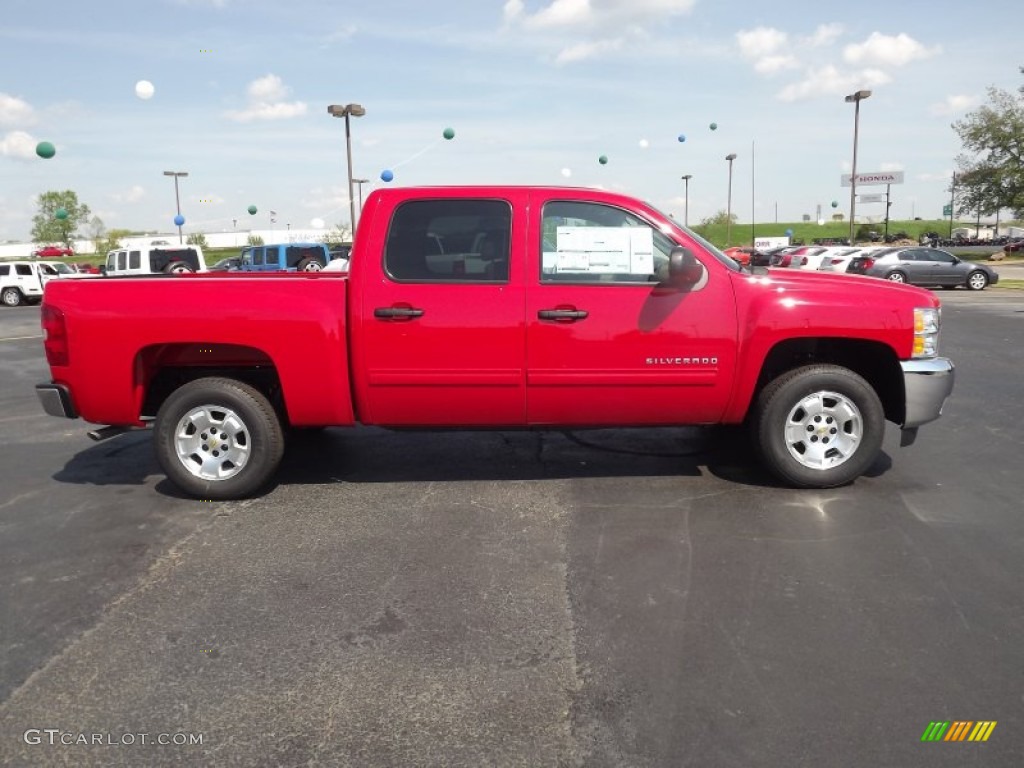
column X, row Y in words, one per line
column 823, row 430
column 212, row 442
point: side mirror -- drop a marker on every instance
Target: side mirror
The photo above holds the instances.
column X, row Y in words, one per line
column 683, row 268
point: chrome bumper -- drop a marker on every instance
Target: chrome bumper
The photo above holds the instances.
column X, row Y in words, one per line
column 56, row 400
column 926, row 384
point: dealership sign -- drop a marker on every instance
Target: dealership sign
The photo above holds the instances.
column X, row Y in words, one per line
column 884, row 177
column 875, row 198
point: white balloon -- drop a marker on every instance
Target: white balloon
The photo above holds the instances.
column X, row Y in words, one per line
column 821, row 222
column 566, row 172
column 317, row 223
column 144, row 89
column 644, row 143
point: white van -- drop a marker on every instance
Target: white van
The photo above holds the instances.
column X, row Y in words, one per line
column 155, row 260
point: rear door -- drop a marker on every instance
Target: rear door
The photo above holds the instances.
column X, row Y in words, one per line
column 441, row 337
column 608, row 343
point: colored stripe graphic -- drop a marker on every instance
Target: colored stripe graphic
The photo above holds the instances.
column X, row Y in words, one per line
column 958, row 730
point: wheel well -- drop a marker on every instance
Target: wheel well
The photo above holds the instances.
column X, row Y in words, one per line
column 872, row 360
column 168, row 378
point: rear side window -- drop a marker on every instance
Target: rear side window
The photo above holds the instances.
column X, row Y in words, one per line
column 449, row 241
column 23, row 269
column 134, row 260
column 158, row 260
column 296, row 254
column 5, row 270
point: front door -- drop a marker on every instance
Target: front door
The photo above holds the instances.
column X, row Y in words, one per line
column 608, row 342
column 441, row 338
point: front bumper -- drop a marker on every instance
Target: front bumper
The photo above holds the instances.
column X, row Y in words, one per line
column 56, row 400
column 926, row 384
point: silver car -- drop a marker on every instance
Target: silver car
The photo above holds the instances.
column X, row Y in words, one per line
column 925, row 266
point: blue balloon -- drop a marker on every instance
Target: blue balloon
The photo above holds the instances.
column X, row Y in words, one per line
column 789, row 233
column 179, row 220
column 387, row 175
column 682, row 137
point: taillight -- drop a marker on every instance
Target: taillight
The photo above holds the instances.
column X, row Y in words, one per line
column 868, row 263
column 55, row 335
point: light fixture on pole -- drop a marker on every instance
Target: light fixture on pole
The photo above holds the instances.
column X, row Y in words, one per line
column 360, row 182
column 856, row 99
column 355, row 110
column 686, row 209
column 177, row 199
column 728, row 206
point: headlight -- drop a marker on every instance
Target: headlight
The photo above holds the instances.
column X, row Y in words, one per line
column 926, row 331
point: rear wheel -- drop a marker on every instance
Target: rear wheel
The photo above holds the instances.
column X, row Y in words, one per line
column 819, row 426
column 11, row 297
column 977, row 280
column 897, row 277
column 218, row 438
column 309, row 265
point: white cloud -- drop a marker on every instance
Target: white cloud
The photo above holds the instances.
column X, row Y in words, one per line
column 940, row 176
column 825, row 34
column 952, row 105
column 15, row 111
column 18, row 144
column 765, row 46
column 597, row 25
column 267, row 102
column 760, row 42
column 133, row 195
column 581, row 51
column 211, row 3
column 829, row 81
column 885, row 167
column 891, row 50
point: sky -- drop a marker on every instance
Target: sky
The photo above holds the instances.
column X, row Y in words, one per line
column 536, row 92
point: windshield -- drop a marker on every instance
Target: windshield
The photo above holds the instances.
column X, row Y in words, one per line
column 712, row 249
column 63, row 269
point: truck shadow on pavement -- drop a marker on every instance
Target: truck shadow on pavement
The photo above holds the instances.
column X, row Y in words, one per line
column 375, row 455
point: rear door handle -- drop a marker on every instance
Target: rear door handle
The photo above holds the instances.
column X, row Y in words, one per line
column 397, row 313
column 570, row 315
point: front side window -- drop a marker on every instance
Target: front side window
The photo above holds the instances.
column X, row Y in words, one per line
column 449, row 241
column 5, row 270
column 596, row 243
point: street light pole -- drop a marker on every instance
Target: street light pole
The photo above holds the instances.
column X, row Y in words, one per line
column 686, row 209
column 177, row 199
column 355, row 110
column 856, row 98
column 360, row 182
column 728, row 206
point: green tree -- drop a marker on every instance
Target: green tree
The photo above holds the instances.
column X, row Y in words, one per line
column 337, row 236
column 47, row 228
column 197, row 238
column 255, row 240
column 991, row 171
column 112, row 241
column 719, row 219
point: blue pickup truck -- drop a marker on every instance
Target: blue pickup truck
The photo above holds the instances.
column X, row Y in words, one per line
column 287, row 257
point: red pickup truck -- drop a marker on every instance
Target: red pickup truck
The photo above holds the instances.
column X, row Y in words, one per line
column 501, row 307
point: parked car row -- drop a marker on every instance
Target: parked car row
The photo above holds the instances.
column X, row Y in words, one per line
column 916, row 265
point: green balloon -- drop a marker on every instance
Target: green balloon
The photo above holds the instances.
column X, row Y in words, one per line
column 835, row 203
column 252, row 210
column 449, row 133
column 61, row 214
column 713, row 126
column 45, row 150
column 603, row 159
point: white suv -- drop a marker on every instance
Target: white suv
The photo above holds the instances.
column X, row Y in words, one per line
column 155, row 260
column 23, row 281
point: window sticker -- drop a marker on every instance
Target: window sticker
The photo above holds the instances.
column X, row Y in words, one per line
column 601, row 250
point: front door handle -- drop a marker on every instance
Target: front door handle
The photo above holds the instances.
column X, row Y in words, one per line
column 564, row 315
column 397, row 313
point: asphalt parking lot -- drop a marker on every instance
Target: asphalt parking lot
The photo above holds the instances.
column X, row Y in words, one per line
column 611, row 598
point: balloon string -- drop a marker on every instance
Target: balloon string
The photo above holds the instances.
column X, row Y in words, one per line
column 418, row 154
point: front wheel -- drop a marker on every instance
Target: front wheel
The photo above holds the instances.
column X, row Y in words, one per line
column 218, row 438
column 11, row 297
column 977, row 280
column 896, row 277
column 819, row 426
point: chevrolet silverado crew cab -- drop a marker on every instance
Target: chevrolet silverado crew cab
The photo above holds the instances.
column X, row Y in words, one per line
column 504, row 308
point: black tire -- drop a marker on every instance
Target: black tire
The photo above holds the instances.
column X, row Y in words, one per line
column 177, row 268
column 896, row 277
column 253, row 429
column 309, row 265
column 11, row 297
column 847, row 431
column 977, row 281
